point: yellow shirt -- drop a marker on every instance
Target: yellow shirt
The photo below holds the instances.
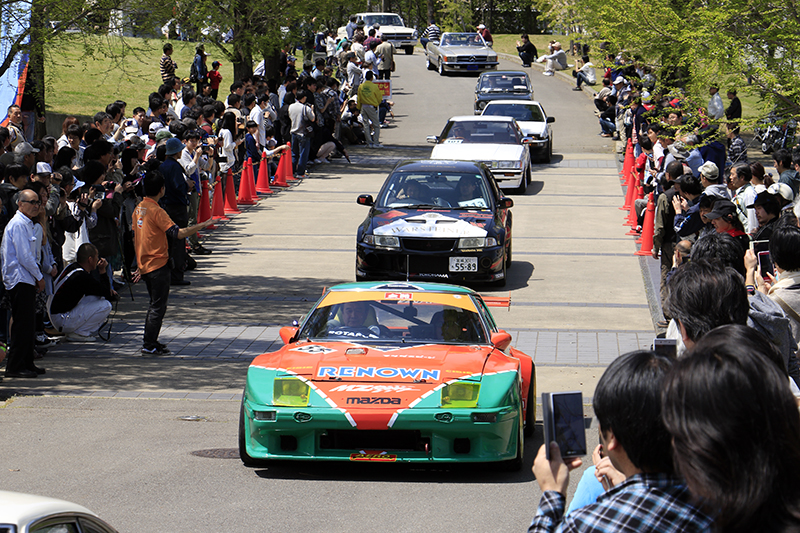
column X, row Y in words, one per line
column 369, row 94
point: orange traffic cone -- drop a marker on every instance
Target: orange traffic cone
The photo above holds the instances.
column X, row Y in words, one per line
column 230, row 196
column 204, row 211
column 280, row 174
column 263, row 176
column 628, row 162
column 648, row 227
column 218, row 203
column 631, row 185
column 251, row 184
column 287, row 170
column 245, row 198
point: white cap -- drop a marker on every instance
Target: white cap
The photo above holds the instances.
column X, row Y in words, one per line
column 783, row 190
column 43, row 168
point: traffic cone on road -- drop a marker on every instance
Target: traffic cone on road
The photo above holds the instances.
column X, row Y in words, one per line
column 631, row 188
column 263, row 176
column 245, row 197
column 287, row 170
column 230, row 196
column 280, row 174
column 648, row 227
column 628, row 162
column 218, row 203
column 204, row 211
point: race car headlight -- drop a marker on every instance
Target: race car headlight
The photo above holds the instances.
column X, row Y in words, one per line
column 290, row 392
column 507, row 164
column 482, row 104
column 382, row 241
column 460, row 394
column 476, row 242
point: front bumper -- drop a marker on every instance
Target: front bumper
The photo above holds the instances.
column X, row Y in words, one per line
column 381, row 264
column 402, row 43
column 454, row 66
column 508, row 179
column 415, row 436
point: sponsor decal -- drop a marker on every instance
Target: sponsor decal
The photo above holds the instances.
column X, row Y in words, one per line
column 431, row 224
column 409, row 356
column 381, row 457
column 391, row 214
column 398, row 296
column 377, row 372
column 368, row 400
column 375, row 389
column 313, row 349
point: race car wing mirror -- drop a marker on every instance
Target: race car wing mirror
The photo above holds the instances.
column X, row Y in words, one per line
column 365, row 199
column 506, row 203
column 287, row 334
column 501, row 340
column 433, row 139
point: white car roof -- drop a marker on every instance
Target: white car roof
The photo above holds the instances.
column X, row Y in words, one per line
column 481, row 118
column 518, row 101
column 19, row 509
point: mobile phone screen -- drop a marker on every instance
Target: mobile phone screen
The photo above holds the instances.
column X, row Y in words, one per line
column 667, row 347
column 765, row 264
column 566, row 423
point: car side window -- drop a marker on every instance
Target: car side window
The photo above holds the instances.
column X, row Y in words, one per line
column 57, row 525
column 89, row 525
column 487, row 316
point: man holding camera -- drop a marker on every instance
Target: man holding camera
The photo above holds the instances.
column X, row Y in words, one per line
column 80, row 303
column 302, row 116
column 176, row 203
column 194, row 160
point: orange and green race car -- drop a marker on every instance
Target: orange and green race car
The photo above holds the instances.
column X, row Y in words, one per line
column 391, row 372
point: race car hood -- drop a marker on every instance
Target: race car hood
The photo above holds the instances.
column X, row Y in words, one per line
column 477, row 152
column 532, row 128
column 428, row 224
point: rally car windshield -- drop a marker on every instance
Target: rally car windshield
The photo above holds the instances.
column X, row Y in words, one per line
column 521, row 112
column 472, row 131
column 503, row 83
column 396, row 321
column 435, row 189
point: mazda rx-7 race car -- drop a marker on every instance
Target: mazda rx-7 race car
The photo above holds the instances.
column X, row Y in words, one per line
column 391, row 372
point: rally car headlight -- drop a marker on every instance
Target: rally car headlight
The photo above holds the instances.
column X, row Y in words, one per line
column 460, row 394
column 383, row 241
column 507, row 164
column 290, row 392
column 476, row 242
column 414, row 35
column 482, row 104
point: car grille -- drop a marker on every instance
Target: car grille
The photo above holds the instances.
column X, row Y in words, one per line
column 428, row 245
column 471, row 59
column 386, row 440
column 397, row 36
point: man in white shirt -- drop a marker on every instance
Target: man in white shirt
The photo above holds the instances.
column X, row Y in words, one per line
column 262, row 114
column 354, row 74
column 716, row 109
column 555, row 61
column 193, row 161
column 22, row 279
column 585, row 74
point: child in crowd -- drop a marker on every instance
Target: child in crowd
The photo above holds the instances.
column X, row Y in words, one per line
column 214, row 78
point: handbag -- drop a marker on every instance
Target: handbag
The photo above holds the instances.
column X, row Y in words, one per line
column 393, row 66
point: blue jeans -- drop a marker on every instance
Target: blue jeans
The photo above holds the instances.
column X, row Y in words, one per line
column 581, row 79
column 607, row 126
column 301, row 146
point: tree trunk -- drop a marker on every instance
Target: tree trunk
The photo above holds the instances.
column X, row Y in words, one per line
column 271, row 62
column 34, row 84
column 386, row 6
column 430, row 11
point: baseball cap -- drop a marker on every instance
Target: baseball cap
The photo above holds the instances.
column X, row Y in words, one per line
column 710, row 170
column 619, row 79
column 215, row 64
column 721, row 208
column 174, row 146
column 155, row 126
column 25, row 148
column 764, row 198
column 163, row 134
column 481, row 27
column 43, row 168
column 781, row 189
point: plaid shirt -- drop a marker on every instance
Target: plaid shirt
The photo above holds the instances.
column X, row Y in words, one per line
column 644, row 502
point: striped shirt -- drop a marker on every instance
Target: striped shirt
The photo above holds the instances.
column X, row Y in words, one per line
column 656, row 503
column 432, row 33
column 167, row 68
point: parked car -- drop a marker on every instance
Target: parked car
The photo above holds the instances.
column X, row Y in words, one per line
column 436, row 220
column 498, row 142
column 391, row 372
column 460, row 52
column 533, row 121
column 392, row 26
column 27, row 513
column 502, row 85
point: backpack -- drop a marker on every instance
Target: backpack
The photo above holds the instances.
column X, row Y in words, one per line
column 193, row 74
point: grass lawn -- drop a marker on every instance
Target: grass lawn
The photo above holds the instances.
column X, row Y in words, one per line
column 76, row 85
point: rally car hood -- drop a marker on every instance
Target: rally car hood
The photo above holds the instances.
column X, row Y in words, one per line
column 532, row 128
column 477, row 151
column 378, row 362
column 412, row 223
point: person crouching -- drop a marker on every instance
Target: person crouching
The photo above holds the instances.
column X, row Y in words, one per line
column 80, row 302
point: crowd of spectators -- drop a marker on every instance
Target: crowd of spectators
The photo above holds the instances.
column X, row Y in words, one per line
column 69, row 205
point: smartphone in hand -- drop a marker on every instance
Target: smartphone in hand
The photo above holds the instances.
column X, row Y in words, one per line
column 564, row 423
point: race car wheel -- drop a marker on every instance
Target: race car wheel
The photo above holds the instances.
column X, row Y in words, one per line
column 409, row 50
column 548, row 155
column 530, row 408
column 243, row 455
column 441, row 68
column 502, row 282
column 523, row 184
column 428, row 64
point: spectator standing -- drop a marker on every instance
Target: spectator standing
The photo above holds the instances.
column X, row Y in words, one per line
column 744, row 195
column 371, row 60
column 486, row 34
column 734, row 111
column 167, row 65
column 176, row 204
column 385, row 52
column 783, row 164
column 301, row 115
column 737, row 149
column 767, row 211
column 215, row 79
column 716, row 109
column 15, row 128
column 199, row 71
column 80, row 303
column 351, row 27
column 22, row 279
column 369, row 99
column 194, row 162
column 431, row 33
column 527, row 52
column 354, row 74
column 557, row 60
column 152, row 226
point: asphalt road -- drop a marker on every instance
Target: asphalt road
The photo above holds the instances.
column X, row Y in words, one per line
column 132, row 460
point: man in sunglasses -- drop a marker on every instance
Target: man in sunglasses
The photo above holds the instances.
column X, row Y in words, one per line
column 22, row 279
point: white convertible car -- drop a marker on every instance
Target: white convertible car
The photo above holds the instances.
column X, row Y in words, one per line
column 496, row 141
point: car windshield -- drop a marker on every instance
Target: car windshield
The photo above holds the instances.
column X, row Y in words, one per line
column 395, row 317
column 435, row 189
column 383, row 20
column 488, row 132
column 462, row 39
column 503, row 83
column 521, row 112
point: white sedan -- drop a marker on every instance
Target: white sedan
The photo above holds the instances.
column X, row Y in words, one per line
column 533, row 121
column 26, row 513
column 498, row 142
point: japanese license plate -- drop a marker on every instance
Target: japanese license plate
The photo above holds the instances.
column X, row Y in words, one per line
column 463, row 264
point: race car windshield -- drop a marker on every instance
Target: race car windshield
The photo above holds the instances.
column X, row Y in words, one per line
column 457, row 190
column 503, row 83
column 462, row 39
column 488, row 132
column 383, row 20
column 395, row 321
column 521, row 112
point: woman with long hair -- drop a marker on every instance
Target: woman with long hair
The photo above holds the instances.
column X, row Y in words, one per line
column 736, row 431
